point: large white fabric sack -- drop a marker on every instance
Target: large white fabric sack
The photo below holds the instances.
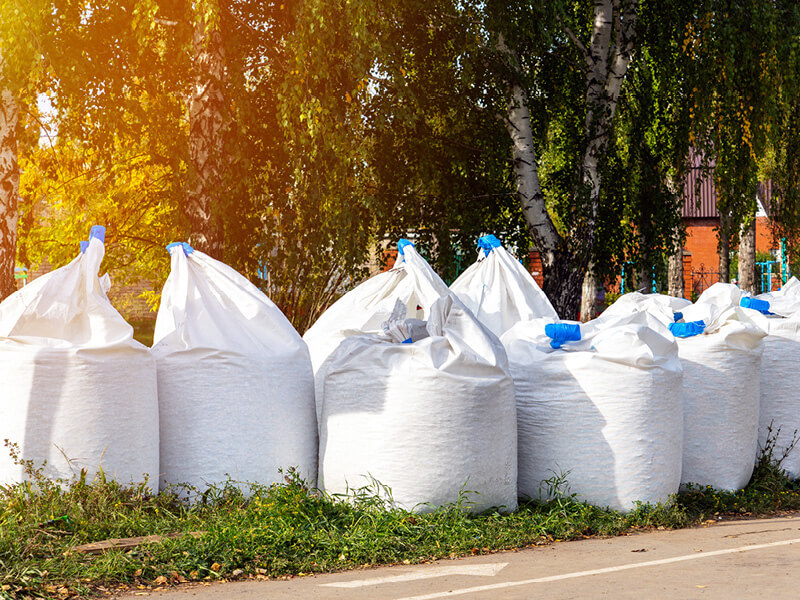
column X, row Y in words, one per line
column 366, row 308
column 664, row 308
column 430, row 415
column 780, row 382
column 780, row 373
column 784, row 302
column 605, row 411
column 722, row 367
column 499, row 291
column 77, row 390
column 722, row 371
column 236, row 392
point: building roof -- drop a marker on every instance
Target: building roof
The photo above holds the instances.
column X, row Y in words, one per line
column 700, row 193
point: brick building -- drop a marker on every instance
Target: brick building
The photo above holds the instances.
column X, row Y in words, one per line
column 701, row 220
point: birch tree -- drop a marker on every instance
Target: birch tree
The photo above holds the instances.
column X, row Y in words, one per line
column 21, row 75
column 208, row 122
column 9, row 187
column 605, row 57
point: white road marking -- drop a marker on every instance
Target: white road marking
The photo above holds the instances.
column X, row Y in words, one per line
column 484, row 570
column 649, row 563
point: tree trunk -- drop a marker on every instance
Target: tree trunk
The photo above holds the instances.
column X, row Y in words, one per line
column 563, row 281
column 207, row 126
column 9, row 191
column 644, row 274
column 607, row 60
column 724, row 248
column 557, row 265
column 675, row 274
column 747, row 257
column 589, row 307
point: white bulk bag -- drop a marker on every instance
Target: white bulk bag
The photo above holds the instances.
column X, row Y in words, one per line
column 77, row 390
column 721, row 393
column 780, row 373
column 367, row 307
column 784, row 302
column 605, row 411
column 236, row 392
column 429, row 418
column 499, row 291
column 664, row 308
column 780, row 382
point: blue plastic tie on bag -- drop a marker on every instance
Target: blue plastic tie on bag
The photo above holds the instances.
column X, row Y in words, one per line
column 401, row 245
column 677, row 316
column 84, row 246
column 187, row 249
column 99, row 232
column 761, row 306
column 487, row 243
column 407, row 341
column 685, row 330
column 560, row 333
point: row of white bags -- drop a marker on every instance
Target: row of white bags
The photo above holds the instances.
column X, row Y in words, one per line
column 234, row 394
column 600, row 403
column 413, row 388
column 227, row 390
column 730, row 400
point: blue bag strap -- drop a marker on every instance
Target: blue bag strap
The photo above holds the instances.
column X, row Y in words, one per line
column 761, row 306
column 685, row 330
column 487, row 243
column 560, row 333
column 187, row 249
column 401, row 245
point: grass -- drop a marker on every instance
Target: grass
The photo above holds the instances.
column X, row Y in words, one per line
column 291, row 530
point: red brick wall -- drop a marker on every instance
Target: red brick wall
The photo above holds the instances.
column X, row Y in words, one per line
column 688, row 284
column 388, row 258
column 536, row 267
column 764, row 239
column 701, row 241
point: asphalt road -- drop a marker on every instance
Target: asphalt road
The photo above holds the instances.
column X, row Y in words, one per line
column 728, row 559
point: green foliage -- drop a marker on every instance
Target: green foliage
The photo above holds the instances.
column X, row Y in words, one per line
column 291, row 529
column 348, row 124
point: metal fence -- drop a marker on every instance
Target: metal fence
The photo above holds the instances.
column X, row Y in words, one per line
column 703, row 279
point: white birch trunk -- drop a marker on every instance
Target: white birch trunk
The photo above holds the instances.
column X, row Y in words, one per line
column 9, row 190
column 607, row 58
column 747, row 257
column 565, row 261
column 207, row 126
column 526, row 174
column 675, row 274
column 589, row 308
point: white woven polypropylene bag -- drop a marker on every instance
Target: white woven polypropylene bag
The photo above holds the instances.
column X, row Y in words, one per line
column 721, row 398
column 784, row 302
column 236, row 391
column 429, row 419
column 661, row 306
column 77, row 390
column 367, row 307
column 780, row 382
column 499, row 291
column 604, row 414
